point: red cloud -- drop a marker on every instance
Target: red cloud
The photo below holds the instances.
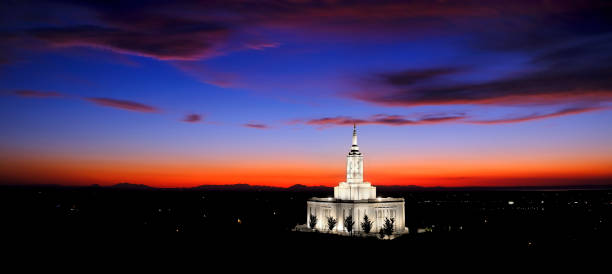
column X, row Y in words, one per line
column 121, row 104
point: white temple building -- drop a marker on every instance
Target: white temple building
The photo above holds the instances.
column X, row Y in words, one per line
column 356, row 198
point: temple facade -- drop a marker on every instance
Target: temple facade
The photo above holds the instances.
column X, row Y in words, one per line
column 355, row 198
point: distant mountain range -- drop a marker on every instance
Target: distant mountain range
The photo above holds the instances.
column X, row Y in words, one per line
column 300, row 187
column 130, row 186
column 235, row 187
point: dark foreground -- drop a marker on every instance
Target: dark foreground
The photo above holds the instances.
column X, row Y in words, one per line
column 251, row 221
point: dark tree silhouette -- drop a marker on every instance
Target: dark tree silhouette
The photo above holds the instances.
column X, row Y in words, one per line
column 331, row 223
column 381, row 233
column 388, row 227
column 348, row 224
column 366, row 225
column 313, row 221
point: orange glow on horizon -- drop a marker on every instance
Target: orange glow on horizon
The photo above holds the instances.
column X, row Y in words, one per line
column 428, row 173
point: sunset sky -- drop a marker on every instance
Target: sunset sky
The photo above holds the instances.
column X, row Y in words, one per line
column 185, row 93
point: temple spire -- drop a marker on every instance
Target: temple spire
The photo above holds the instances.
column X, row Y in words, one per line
column 354, row 146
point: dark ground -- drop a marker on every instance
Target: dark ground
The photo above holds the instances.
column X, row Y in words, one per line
column 252, row 220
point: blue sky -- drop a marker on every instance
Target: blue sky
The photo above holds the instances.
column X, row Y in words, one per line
column 199, row 90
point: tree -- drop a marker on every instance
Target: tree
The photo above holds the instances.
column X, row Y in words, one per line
column 366, row 225
column 388, row 227
column 313, row 221
column 331, row 223
column 381, row 233
column 348, row 224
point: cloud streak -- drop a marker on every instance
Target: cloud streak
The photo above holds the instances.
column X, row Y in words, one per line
column 383, row 119
column 123, row 104
column 256, row 126
column 414, row 76
column 536, row 116
column 193, row 45
column 262, row 46
column 37, row 94
column 428, row 119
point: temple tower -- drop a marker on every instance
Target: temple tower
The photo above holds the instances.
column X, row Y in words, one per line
column 354, row 188
column 354, row 162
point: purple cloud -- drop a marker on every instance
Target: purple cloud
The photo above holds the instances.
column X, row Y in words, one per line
column 262, row 46
column 178, row 30
column 569, row 51
column 37, row 94
column 257, row 126
column 192, row 118
column 401, row 120
column 384, row 119
column 122, row 104
column 164, row 44
column 552, row 85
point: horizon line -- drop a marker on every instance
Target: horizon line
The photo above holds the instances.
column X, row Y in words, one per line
column 128, row 185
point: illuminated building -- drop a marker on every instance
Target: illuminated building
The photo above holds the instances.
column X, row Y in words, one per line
column 355, row 198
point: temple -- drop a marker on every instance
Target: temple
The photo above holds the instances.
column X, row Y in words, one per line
column 355, row 198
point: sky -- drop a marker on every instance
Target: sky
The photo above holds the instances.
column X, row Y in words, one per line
column 187, row 93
